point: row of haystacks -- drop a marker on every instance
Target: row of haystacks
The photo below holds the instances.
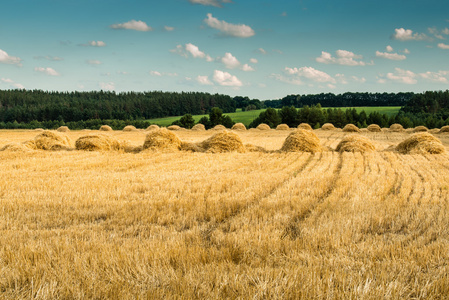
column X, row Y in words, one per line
column 162, row 139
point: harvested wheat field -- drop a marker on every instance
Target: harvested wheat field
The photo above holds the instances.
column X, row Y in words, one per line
column 252, row 225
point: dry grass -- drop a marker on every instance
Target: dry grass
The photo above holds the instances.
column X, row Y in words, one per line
column 420, row 129
column 105, row 128
column 302, row 141
column 444, row 129
column 355, row 143
column 174, row 127
column 328, row 126
column 239, row 126
column 263, row 126
column 99, row 142
column 374, row 128
column 63, row 129
column 50, row 140
column 162, row 139
column 225, row 141
column 396, row 128
column 253, row 225
column 421, row 143
column 282, row 127
column 351, row 128
column 129, row 128
column 199, row 127
column 16, row 147
column 305, row 126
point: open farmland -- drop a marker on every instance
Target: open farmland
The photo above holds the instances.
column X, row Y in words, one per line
column 158, row 224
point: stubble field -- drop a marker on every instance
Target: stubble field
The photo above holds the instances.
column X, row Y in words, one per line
column 116, row 225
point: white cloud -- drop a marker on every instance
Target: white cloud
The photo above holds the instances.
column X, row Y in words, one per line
column 445, row 31
column 47, row 71
column 443, row 46
column 93, row 62
column 406, row 51
column 206, row 2
column 435, row 32
column 402, row 76
column 51, row 58
column 7, row 59
column 261, row 50
column 155, row 73
column 95, row 44
column 309, row 73
column 402, row 34
column 392, row 56
column 159, row 74
column 236, row 30
column 440, row 76
column 247, row 68
column 9, row 82
column 343, row 57
column 107, row 86
column 389, row 48
column 191, row 49
column 230, row 61
column 133, row 25
column 226, row 79
column 253, row 61
column 195, row 51
column 204, row 80
column 168, row 28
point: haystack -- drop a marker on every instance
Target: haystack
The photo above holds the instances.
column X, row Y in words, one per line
column 49, row 140
column 105, row 128
column 351, row 128
column 263, row 126
column 174, row 127
column 225, row 141
column 162, row 139
column 219, row 127
column 16, row 147
column 152, row 127
column 63, row 129
column 434, row 130
column 282, row 127
column 355, row 143
column 302, row 141
column 305, row 126
column 421, row 143
column 192, row 147
column 130, row 128
column 254, row 148
column 396, row 128
column 444, row 129
column 239, row 126
column 374, row 128
column 199, row 127
column 328, row 126
column 420, row 129
column 98, row 142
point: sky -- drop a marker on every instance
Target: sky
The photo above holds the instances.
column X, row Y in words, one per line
column 260, row 49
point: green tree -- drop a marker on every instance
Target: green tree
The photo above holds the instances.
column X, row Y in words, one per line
column 289, row 116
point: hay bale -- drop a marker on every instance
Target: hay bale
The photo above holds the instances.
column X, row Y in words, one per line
column 355, row 143
column 105, row 128
column 219, row 127
column 302, row 141
column 434, row 131
column 263, row 126
column 364, row 130
column 282, row 127
column 396, row 128
column 174, row 127
column 420, row 129
column 444, row 129
column 351, row 128
column 16, row 147
column 305, row 126
column 225, row 141
column 49, row 140
column 63, row 129
column 152, row 127
column 162, row 139
column 328, row 126
column 238, row 126
column 129, row 128
column 98, row 142
column 421, row 143
column 374, row 128
column 199, row 127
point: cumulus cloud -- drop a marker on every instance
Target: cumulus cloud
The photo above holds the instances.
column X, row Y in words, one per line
column 436, row 33
column 341, row 78
column 215, row 3
column 9, row 82
column 443, row 46
column 262, row 51
column 226, row 79
column 389, row 48
column 107, row 86
column 94, row 44
column 192, row 50
column 47, row 71
column 304, row 75
column 168, row 28
column 5, row 58
column 253, row 61
column 247, row 68
column 160, row 74
column 228, row 29
column 402, row 34
column 439, row 77
column 406, row 51
column 392, row 56
column 402, row 76
column 132, row 25
column 204, row 80
column 343, row 57
column 155, row 73
column 93, row 62
column 230, row 61
column 50, row 58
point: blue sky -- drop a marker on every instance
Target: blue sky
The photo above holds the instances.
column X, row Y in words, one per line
column 260, row 49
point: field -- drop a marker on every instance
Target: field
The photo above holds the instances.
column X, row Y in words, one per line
column 164, row 225
column 246, row 117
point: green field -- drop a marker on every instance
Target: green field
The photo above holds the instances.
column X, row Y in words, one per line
column 246, row 117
